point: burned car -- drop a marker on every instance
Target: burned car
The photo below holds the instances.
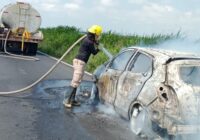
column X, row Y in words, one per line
column 157, row 90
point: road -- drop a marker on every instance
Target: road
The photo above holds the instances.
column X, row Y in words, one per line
column 38, row 114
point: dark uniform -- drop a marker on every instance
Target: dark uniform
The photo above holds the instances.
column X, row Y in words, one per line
column 87, row 48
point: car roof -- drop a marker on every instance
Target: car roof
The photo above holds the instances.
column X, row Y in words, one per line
column 165, row 55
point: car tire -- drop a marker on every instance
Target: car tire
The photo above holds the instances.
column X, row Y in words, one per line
column 141, row 123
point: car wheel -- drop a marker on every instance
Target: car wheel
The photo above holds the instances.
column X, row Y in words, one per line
column 140, row 122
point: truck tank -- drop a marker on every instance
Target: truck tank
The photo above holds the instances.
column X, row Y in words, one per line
column 20, row 15
column 19, row 30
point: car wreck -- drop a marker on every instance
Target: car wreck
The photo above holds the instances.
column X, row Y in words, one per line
column 157, row 90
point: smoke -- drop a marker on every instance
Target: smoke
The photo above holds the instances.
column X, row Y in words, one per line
column 107, row 109
column 189, row 74
column 179, row 45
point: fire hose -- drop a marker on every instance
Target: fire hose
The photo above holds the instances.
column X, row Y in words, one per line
column 47, row 73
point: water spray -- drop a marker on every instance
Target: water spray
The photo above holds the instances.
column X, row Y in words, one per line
column 105, row 51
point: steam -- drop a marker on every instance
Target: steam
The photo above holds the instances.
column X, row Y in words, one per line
column 107, row 109
column 190, row 75
column 180, row 45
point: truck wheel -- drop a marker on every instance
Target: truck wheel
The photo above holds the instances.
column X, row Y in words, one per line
column 13, row 47
column 30, row 49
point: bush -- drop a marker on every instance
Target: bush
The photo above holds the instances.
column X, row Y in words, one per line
column 58, row 39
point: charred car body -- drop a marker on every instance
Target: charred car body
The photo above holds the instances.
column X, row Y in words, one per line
column 157, row 90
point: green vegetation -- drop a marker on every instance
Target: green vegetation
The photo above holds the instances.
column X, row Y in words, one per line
column 58, row 39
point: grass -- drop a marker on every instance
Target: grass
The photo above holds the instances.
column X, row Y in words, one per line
column 58, row 39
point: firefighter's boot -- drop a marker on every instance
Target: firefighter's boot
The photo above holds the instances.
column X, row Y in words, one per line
column 74, row 101
column 68, row 100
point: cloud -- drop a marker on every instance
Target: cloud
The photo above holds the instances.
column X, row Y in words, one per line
column 48, row 6
column 107, row 2
column 138, row 2
column 72, row 6
column 157, row 9
column 77, row 1
column 41, row 1
column 131, row 16
column 188, row 14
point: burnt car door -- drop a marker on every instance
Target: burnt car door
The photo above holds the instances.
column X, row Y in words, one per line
column 132, row 80
column 108, row 80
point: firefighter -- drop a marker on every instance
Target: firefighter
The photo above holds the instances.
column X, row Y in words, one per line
column 88, row 46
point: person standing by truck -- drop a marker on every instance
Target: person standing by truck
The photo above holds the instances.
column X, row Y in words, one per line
column 89, row 46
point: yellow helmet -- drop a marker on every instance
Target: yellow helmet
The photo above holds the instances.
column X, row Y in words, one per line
column 95, row 29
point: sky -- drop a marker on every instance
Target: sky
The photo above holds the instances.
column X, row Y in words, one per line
column 142, row 17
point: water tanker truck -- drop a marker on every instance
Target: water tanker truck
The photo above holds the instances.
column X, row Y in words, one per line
column 19, row 30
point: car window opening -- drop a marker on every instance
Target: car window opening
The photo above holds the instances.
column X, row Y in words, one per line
column 120, row 62
column 142, row 64
column 190, row 75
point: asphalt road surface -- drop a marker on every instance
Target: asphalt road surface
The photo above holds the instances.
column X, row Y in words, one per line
column 38, row 114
